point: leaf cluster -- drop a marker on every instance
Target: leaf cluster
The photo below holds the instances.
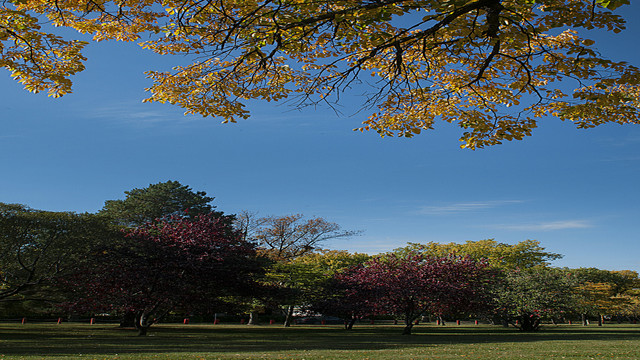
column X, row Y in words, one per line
column 493, row 67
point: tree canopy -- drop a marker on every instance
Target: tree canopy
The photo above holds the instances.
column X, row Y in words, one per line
column 36, row 246
column 157, row 201
column 185, row 263
column 525, row 297
column 602, row 292
column 417, row 285
column 287, row 237
column 307, row 279
column 493, row 67
column 525, row 254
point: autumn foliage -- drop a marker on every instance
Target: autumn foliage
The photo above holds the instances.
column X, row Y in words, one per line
column 493, row 67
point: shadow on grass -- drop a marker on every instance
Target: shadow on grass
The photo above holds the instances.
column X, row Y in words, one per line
column 70, row 339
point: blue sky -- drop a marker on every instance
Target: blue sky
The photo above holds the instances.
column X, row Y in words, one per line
column 575, row 191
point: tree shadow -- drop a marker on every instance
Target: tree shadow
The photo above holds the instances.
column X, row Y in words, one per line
column 108, row 340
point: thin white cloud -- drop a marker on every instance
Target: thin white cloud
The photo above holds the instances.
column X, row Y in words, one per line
column 370, row 246
column 12, row 136
column 132, row 115
column 547, row 226
column 464, row 207
column 620, row 141
column 621, row 158
column 138, row 114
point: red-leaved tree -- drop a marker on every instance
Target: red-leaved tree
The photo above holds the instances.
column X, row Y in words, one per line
column 190, row 264
column 414, row 285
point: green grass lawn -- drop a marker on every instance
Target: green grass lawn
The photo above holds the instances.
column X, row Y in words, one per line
column 84, row 341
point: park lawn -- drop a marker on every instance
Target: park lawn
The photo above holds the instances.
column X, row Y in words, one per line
column 84, row 341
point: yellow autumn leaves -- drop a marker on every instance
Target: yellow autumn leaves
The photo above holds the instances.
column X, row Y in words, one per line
column 493, row 67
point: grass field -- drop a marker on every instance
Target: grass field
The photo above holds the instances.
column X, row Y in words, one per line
column 84, row 341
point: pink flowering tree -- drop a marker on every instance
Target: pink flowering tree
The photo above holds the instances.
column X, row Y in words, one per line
column 177, row 263
column 414, row 285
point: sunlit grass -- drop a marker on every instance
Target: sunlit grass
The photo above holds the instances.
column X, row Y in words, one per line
column 84, row 341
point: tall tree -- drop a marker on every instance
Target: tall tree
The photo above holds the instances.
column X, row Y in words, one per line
column 493, row 67
column 191, row 264
column 157, row 201
column 284, row 239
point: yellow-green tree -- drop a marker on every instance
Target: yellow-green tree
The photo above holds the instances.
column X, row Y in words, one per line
column 329, row 262
column 493, row 67
column 629, row 296
column 303, row 279
column 604, row 292
column 525, row 254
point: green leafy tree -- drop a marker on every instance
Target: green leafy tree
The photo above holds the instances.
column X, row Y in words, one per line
column 520, row 267
column 527, row 297
column 305, row 279
column 157, row 201
column 493, row 67
column 37, row 246
column 628, row 296
column 329, row 262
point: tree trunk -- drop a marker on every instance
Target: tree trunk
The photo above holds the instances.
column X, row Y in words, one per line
column 142, row 324
column 348, row 325
column 142, row 330
column 407, row 328
column 409, row 321
column 584, row 320
column 600, row 320
column 253, row 318
column 289, row 316
column 441, row 319
column 529, row 323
